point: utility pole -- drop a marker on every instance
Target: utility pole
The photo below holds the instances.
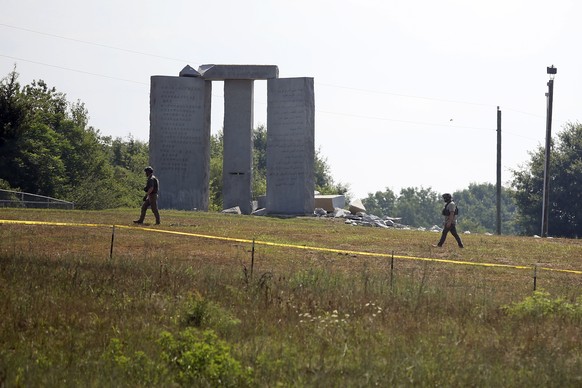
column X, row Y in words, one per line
column 498, row 171
column 546, row 195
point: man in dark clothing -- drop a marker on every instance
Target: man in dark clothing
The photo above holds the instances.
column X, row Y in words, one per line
column 450, row 212
column 151, row 197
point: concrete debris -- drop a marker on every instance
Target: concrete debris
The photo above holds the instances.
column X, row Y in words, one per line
column 329, row 202
column 260, row 212
column 357, row 206
column 320, row 212
column 360, row 218
column 232, row 210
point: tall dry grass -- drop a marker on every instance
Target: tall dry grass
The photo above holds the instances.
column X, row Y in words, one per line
column 170, row 310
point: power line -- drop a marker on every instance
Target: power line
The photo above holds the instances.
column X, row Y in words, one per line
column 322, row 84
column 181, row 60
column 405, row 95
column 405, row 121
column 327, row 112
column 525, row 113
column 256, row 102
column 94, row 44
column 74, row 70
column 220, row 96
column 189, row 61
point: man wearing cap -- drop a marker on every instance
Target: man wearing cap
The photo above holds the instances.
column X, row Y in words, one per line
column 151, row 197
column 450, row 212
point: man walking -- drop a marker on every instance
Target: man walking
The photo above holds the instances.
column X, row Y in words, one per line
column 450, row 213
column 151, row 197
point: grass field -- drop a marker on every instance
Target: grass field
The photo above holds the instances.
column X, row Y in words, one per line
column 183, row 309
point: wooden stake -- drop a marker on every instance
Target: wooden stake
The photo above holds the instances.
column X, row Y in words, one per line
column 112, row 239
column 252, row 258
column 392, row 272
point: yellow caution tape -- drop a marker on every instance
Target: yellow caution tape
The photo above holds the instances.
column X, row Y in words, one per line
column 246, row 241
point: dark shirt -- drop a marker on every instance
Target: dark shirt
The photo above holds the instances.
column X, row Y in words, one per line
column 152, row 182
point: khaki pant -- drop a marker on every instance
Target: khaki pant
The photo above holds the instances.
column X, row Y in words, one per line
column 151, row 201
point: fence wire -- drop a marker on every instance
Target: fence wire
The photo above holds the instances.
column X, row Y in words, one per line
column 9, row 198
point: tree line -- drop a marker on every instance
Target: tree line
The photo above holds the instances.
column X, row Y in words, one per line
column 421, row 207
column 48, row 148
column 521, row 203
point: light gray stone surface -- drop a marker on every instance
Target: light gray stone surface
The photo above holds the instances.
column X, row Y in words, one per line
column 248, row 72
column 180, row 140
column 259, row 212
column 290, row 146
column 330, row 202
column 238, row 145
column 356, row 206
column 232, row 210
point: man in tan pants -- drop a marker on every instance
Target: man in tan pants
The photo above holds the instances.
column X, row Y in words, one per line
column 151, row 197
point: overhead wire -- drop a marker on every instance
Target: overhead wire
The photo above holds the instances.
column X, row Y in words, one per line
column 322, row 84
column 93, row 43
column 73, row 70
column 220, row 96
column 406, row 95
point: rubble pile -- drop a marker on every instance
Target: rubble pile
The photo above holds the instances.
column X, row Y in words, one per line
column 362, row 219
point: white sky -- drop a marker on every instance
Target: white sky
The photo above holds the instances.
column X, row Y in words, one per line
column 406, row 92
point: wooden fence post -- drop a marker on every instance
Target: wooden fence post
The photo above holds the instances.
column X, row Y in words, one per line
column 112, row 239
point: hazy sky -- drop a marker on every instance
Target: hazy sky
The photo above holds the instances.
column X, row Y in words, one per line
column 406, row 92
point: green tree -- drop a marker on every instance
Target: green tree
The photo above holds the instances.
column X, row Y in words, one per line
column 419, row 207
column 260, row 161
column 47, row 148
column 422, row 207
column 478, row 209
column 118, row 175
column 12, row 109
column 324, row 182
column 565, row 195
column 31, row 152
column 381, row 203
column 216, row 151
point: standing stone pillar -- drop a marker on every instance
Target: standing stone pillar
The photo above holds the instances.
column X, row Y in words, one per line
column 290, row 146
column 238, row 145
column 238, row 128
column 180, row 140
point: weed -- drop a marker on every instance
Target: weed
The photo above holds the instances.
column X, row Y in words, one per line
column 541, row 305
column 201, row 313
column 202, row 359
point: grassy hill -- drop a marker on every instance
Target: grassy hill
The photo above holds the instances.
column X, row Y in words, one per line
column 313, row 302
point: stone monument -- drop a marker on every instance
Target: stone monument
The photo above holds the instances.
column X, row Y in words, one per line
column 290, row 146
column 180, row 138
column 237, row 162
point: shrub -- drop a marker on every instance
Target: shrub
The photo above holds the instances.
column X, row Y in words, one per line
column 540, row 305
column 202, row 359
column 202, row 313
column 139, row 368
